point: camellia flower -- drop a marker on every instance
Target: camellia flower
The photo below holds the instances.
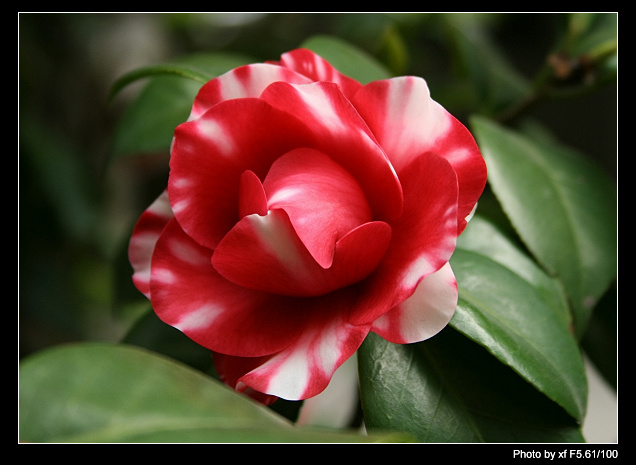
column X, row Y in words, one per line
column 303, row 210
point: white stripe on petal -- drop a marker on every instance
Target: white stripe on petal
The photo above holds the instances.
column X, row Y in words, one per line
column 181, row 205
column 163, row 275
column 199, row 318
column 335, row 407
column 323, row 110
column 425, row 313
column 472, row 213
column 275, row 238
column 292, row 387
column 284, row 195
column 187, row 254
column 161, row 206
column 216, row 134
column 431, row 307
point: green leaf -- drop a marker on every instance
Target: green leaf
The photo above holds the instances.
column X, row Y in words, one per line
column 507, row 369
column 114, row 393
column 449, row 389
column 347, row 58
column 501, row 311
column 485, row 238
column 149, row 122
column 562, row 206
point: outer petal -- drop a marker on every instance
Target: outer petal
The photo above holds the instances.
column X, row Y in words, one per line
column 336, row 406
column 408, row 123
column 187, row 293
column 317, row 68
column 342, row 134
column 210, row 154
column 423, row 239
column 425, row 313
column 144, row 238
column 244, row 81
column 231, row 368
column 305, row 368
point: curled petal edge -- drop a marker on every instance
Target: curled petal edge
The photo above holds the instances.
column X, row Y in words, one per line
column 425, row 313
column 144, row 238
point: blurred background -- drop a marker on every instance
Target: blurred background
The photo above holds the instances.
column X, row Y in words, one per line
column 77, row 203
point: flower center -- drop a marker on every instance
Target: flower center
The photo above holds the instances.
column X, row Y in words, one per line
column 306, row 230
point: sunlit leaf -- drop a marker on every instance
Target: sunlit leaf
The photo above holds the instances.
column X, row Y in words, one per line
column 115, row 393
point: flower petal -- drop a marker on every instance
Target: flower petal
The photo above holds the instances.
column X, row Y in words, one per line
column 340, row 132
column 317, row 68
column 244, row 81
column 264, row 253
column 337, row 405
column 323, row 201
column 423, row 239
column 305, row 368
column 188, row 294
column 425, row 313
column 230, row 368
column 210, row 154
column 252, row 196
column 407, row 122
column 144, row 238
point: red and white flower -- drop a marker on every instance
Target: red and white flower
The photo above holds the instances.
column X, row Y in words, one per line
column 303, row 210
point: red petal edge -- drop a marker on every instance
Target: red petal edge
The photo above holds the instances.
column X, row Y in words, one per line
column 144, row 238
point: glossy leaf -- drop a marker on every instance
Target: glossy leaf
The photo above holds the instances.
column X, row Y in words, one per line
column 485, row 238
column 516, row 313
column 448, row 389
column 106, row 393
column 562, row 206
column 504, row 313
